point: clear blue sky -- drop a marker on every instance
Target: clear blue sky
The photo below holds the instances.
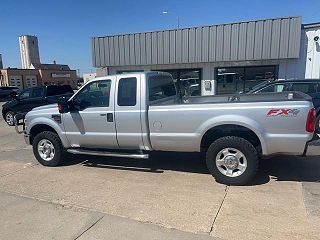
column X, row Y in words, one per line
column 65, row 27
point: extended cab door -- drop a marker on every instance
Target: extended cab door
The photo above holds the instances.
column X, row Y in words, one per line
column 91, row 122
column 127, row 112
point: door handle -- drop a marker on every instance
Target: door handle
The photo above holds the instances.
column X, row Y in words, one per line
column 109, row 117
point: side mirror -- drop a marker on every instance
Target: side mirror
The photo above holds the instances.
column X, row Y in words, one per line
column 63, row 105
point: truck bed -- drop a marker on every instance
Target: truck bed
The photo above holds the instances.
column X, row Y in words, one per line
column 261, row 97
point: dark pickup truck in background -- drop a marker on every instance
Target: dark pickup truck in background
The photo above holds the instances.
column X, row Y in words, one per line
column 31, row 98
column 308, row 86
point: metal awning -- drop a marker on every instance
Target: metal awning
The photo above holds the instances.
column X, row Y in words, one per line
column 254, row 40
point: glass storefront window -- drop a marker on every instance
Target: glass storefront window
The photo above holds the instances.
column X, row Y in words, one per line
column 242, row 79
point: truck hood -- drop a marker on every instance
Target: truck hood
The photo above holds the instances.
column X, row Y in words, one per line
column 46, row 107
column 10, row 104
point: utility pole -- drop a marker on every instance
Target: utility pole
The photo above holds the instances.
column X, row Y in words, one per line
column 178, row 19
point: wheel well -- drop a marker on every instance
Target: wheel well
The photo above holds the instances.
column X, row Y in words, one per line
column 5, row 111
column 39, row 128
column 229, row 130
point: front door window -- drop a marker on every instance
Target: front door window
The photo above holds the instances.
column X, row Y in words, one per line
column 95, row 94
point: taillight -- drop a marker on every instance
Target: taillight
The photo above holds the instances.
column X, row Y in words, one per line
column 311, row 120
column 59, row 108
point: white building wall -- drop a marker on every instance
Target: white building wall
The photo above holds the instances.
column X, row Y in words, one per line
column 312, row 64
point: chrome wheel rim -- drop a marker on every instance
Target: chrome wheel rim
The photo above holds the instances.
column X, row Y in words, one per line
column 9, row 118
column 46, row 149
column 231, row 162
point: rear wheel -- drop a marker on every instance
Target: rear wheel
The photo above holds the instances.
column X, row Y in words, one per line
column 48, row 149
column 9, row 118
column 232, row 160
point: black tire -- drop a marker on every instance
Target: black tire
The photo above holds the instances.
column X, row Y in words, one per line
column 317, row 128
column 10, row 115
column 58, row 148
column 248, row 150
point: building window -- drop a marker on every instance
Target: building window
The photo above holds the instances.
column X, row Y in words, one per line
column 187, row 80
column 242, row 79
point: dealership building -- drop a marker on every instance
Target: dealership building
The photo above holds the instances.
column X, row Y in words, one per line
column 217, row 59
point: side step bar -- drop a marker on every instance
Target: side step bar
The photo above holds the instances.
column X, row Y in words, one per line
column 108, row 154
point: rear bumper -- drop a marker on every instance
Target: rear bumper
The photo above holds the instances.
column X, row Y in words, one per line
column 312, row 148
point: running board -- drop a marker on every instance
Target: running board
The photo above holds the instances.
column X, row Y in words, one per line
column 108, row 154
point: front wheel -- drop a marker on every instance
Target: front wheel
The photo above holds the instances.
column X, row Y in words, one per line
column 9, row 118
column 232, row 160
column 48, row 149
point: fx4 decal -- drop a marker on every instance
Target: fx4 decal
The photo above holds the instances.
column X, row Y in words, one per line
column 283, row 112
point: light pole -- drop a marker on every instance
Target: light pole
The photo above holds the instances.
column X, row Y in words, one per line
column 178, row 19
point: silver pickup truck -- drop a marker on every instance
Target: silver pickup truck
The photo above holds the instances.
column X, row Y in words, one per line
column 130, row 115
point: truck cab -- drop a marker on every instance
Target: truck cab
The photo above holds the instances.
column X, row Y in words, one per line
column 111, row 112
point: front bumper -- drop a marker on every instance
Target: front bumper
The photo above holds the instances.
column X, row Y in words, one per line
column 26, row 138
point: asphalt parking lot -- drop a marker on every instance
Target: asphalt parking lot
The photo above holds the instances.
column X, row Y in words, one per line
column 169, row 196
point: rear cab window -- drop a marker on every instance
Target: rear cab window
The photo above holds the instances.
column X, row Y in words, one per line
column 160, row 87
column 37, row 92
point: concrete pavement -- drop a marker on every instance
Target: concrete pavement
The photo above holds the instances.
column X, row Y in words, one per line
column 170, row 196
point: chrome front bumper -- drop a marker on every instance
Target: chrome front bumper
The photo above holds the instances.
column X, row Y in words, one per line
column 18, row 123
column 26, row 138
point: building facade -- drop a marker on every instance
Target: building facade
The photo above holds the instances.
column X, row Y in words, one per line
column 88, row 76
column 38, row 75
column 217, row 59
column 29, row 51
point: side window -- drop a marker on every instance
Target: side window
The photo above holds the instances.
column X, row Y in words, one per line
column 274, row 88
column 304, row 87
column 127, row 92
column 25, row 94
column 95, row 94
column 161, row 87
column 37, row 93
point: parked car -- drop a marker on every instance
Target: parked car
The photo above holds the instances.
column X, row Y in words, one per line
column 5, row 92
column 131, row 115
column 308, row 86
column 31, row 98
